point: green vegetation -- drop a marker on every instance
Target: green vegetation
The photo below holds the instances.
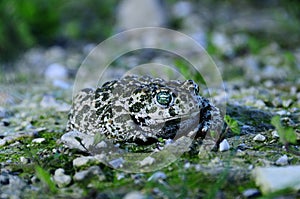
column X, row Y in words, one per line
column 286, row 134
column 45, row 177
column 24, row 24
column 232, row 125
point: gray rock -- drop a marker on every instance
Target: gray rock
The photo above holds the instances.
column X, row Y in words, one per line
column 147, row 161
column 282, row 161
column 260, row 120
column 182, row 9
column 83, row 161
column 23, row 160
column 224, row 146
column 157, row 176
column 38, row 140
column 11, row 186
column 251, row 193
column 259, row 138
column 77, row 140
column 56, row 71
column 136, row 13
column 116, row 163
column 60, row 178
column 275, row 134
column 271, row 179
column 134, row 195
column 92, row 171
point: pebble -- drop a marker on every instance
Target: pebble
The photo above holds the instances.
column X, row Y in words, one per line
column 147, row 161
column 249, row 193
column 282, row 161
column 56, row 71
column 157, row 176
column 48, row 101
column 116, row 163
column 85, row 139
column 38, row 140
column 259, row 138
column 92, row 171
column 271, row 179
column 23, row 160
column 182, row 9
column 275, row 134
column 224, row 146
column 287, row 103
column 83, row 161
column 11, row 186
column 134, row 195
column 101, row 144
column 146, row 13
column 60, row 178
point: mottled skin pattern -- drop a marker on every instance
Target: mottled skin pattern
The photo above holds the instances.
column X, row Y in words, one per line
column 143, row 109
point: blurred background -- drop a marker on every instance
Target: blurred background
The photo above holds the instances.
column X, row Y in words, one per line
column 247, row 37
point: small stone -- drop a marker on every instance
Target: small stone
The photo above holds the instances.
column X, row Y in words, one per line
column 282, row 112
column 272, row 179
column 2, row 142
column 187, row 165
column 60, row 178
column 23, row 160
column 240, row 153
column 275, row 134
column 116, row 163
column 224, row 146
column 147, row 13
column 157, row 176
column 287, row 103
column 182, row 9
column 92, row 171
column 282, row 161
column 83, row 161
column 101, row 144
column 259, row 138
column 38, row 140
column 77, row 140
column 134, row 195
column 147, row 161
column 249, row 193
column 243, row 147
column 56, row 71
column 120, row 176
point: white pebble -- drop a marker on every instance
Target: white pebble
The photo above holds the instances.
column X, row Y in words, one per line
column 134, row 195
column 60, row 178
column 38, row 140
column 157, row 175
column 259, row 138
column 56, row 71
column 275, row 134
column 147, row 161
column 116, row 163
column 271, row 179
column 282, row 161
column 23, row 160
column 92, row 171
column 82, row 161
column 224, row 146
column 250, row 193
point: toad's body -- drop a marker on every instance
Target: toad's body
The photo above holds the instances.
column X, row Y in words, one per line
column 143, row 109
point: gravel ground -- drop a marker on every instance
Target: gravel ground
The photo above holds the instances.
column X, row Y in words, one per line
column 261, row 82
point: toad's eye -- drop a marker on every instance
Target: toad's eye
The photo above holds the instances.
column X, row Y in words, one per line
column 164, row 98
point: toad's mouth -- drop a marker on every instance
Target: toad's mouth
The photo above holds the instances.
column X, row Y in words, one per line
column 171, row 127
column 184, row 117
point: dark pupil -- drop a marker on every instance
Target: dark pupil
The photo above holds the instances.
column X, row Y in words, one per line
column 164, row 98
